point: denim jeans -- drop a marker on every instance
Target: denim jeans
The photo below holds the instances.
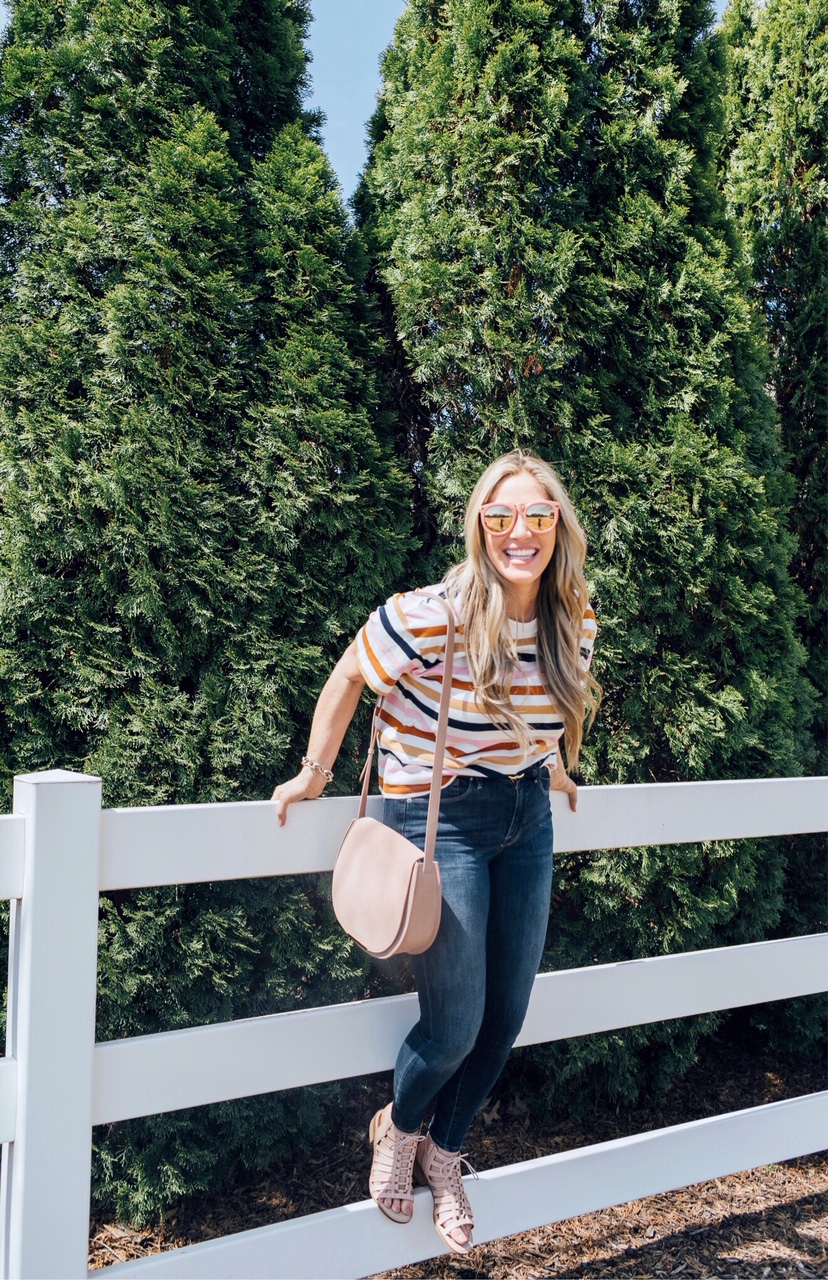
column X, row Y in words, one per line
column 494, row 847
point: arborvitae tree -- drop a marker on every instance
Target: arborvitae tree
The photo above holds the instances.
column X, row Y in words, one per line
column 87, row 87
column 187, row 414
column 543, row 211
column 774, row 179
column 773, row 174
column 334, row 497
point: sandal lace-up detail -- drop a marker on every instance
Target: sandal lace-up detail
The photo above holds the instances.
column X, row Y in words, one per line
column 442, row 1170
column 393, row 1165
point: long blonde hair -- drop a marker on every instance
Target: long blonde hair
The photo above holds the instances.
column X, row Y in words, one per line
column 562, row 598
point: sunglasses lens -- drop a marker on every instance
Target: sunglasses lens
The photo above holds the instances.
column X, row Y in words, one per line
column 541, row 516
column 498, row 519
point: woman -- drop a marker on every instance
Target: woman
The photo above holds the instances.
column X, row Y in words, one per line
column 520, row 682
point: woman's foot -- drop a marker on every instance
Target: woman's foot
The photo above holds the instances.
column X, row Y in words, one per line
column 442, row 1171
column 393, row 1166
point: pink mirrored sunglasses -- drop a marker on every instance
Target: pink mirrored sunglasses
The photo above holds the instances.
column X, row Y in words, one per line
column 500, row 518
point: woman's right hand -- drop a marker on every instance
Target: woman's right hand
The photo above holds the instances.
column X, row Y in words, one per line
column 305, row 786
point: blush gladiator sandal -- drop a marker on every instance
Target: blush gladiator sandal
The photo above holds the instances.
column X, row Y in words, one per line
column 393, row 1165
column 441, row 1170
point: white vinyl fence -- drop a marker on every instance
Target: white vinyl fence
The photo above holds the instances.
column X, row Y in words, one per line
column 59, row 850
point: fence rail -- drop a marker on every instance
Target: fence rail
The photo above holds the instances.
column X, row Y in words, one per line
column 60, row 850
column 356, row 1240
column 149, row 1074
column 187, row 844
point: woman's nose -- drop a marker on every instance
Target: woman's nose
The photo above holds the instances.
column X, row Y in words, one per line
column 521, row 528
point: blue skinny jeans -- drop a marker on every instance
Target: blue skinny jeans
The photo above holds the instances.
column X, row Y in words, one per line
column 494, row 847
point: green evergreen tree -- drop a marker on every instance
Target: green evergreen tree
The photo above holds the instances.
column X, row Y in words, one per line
column 322, row 466
column 197, row 502
column 773, row 174
column 774, row 178
column 551, row 248
column 86, row 88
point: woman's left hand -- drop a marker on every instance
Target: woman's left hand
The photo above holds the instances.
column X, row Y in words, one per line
column 561, row 781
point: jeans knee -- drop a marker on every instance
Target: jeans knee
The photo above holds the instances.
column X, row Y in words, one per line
column 501, row 1030
column 445, row 1052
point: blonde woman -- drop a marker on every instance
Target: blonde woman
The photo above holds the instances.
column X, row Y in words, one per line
column 520, row 683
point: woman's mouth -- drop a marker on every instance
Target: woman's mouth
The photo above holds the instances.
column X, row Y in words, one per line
column 520, row 555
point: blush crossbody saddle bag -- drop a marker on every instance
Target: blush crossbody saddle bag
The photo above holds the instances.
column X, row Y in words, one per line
column 386, row 891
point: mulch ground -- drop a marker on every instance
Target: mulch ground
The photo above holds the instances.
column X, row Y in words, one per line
column 765, row 1222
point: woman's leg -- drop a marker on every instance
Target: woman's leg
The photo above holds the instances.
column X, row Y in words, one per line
column 520, row 888
column 494, row 841
column 451, row 975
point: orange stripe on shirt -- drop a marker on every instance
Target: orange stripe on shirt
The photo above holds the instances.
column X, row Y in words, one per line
column 385, row 678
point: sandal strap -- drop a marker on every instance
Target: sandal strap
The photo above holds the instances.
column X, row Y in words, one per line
column 392, row 1169
column 445, row 1177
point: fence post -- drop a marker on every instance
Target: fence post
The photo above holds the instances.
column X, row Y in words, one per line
column 44, row 1214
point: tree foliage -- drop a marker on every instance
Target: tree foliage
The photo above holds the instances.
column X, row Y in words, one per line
column 552, row 251
column 199, row 504
column 774, row 180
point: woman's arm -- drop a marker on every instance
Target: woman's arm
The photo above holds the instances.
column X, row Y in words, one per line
column 334, row 712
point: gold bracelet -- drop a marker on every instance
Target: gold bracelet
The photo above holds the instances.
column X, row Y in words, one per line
column 307, row 763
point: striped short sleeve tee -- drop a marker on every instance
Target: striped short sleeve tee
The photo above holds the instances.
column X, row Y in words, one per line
column 401, row 653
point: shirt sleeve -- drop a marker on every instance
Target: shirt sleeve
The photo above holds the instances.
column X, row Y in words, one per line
column 589, row 630
column 402, row 636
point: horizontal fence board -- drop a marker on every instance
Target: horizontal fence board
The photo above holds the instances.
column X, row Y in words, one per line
column 357, row 1240
column 622, row 817
column 579, row 1002
column 8, row 1098
column 12, row 855
column 184, row 844
column 146, row 1075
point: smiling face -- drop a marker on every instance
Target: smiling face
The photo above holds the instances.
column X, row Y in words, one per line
column 520, row 556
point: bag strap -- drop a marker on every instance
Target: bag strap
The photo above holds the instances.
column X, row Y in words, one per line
column 440, row 740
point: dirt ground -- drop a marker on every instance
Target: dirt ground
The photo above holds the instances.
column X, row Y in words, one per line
column 765, row 1222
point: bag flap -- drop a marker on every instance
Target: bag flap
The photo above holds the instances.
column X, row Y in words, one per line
column 371, row 882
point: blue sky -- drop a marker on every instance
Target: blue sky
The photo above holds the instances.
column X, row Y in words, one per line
column 347, row 38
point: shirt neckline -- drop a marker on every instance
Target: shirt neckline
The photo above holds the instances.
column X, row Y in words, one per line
column 522, row 630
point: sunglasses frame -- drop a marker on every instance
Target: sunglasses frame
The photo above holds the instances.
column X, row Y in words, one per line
column 519, row 508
